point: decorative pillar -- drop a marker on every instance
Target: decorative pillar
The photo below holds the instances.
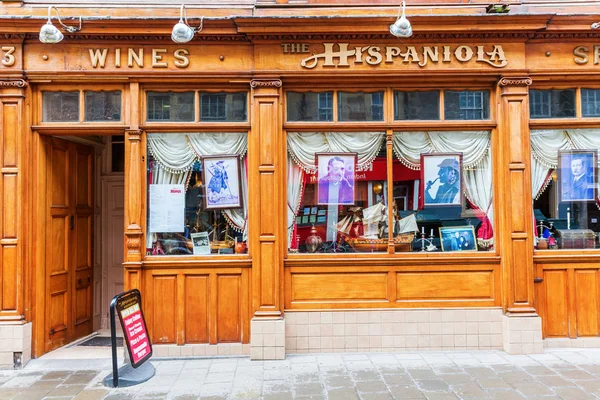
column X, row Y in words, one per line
column 266, row 151
column 521, row 325
column 135, row 176
column 13, row 134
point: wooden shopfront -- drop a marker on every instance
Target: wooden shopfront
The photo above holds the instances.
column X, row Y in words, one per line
column 291, row 184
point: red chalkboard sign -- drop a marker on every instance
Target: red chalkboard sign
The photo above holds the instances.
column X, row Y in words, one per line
column 129, row 309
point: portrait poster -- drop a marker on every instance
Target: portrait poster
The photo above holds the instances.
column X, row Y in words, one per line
column 335, row 174
column 458, row 238
column 201, row 243
column 577, row 175
column 222, row 178
column 441, row 179
column 167, row 208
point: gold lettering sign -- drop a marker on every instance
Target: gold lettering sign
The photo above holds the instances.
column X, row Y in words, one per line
column 138, row 58
column 582, row 54
column 342, row 55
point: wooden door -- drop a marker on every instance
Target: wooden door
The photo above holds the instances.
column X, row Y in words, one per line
column 69, row 185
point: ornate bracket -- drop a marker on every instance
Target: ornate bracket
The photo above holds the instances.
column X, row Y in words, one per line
column 256, row 83
column 515, row 81
column 18, row 83
column 134, row 134
column 134, row 234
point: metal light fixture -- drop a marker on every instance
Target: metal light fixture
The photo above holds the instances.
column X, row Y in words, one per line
column 182, row 31
column 596, row 25
column 50, row 34
column 401, row 28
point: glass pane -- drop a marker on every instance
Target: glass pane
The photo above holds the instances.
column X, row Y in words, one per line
column 552, row 103
column 565, row 199
column 182, row 220
column 60, row 106
column 117, row 153
column 170, row 106
column 230, row 107
column 467, row 105
column 360, row 106
column 590, row 102
column 433, row 208
column 417, row 105
column 309, row 106
column 342, row 208
column 103, row 106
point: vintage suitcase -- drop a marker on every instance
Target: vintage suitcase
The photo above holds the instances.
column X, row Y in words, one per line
column 577, row 239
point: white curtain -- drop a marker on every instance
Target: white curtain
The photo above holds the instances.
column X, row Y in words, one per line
column 177, row 152
column 303, row 146
column 545, row 145
column 295, row 189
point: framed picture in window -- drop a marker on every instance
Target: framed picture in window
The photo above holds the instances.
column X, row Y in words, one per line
column 222, row 182
column 577, row 175
column 336, row 178
column 457, row 238
column 201, row 243
column 441, row 179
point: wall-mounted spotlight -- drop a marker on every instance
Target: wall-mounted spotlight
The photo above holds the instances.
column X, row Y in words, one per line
column 596, row 25
column 401, row 28
column 50, row 34
column 182, row 31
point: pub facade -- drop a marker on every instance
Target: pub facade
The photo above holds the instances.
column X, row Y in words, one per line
column 293, row 177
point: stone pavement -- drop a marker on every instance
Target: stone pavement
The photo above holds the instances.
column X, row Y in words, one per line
column 556, row 374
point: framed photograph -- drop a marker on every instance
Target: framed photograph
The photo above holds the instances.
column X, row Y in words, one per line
column 457, row 238
column 223, row 186
column 441, row 179
column 201, row 243
column 322, row 212
column 305, row 219
column 321, row 219
column 306, row 210
column 313, row 219
column 577, row 175
column 335, row 173
column 313, row 211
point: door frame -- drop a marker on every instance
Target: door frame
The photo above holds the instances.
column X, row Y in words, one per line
column 38, row 218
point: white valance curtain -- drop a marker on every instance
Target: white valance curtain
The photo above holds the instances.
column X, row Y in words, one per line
column 176, row 153
column 545, row 145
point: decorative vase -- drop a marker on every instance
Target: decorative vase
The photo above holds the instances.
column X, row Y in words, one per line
column 240, row 248
column 313, row 242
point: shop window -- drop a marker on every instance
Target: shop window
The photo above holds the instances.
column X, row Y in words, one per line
column 103, row 106
column 309, row 106
column 170, row 106
column 60, row 106
column 197, row 194
column 360, row 106
column 417, row 105
column 230, row 107
column 590, row 102
column 117, row 154
column 552, row 103
column 337, row 184
column 443, row 191
column 565, row 188
column 467, row 105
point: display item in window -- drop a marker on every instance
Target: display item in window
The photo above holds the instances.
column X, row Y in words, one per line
column 577, row 175
column 458, row 238
column 336, row 178
column 442, row 174
column 313, row 242
column 224, row 185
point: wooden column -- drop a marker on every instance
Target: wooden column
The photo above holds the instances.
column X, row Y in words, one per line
column 12, row 209
column 515, row 201
column 135, row 176
column 266, row 150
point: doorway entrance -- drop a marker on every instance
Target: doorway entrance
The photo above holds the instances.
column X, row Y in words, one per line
column 69, row 209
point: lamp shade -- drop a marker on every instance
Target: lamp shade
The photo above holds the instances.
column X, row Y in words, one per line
column 182, row 33
column 401, row 28
column 50, row 34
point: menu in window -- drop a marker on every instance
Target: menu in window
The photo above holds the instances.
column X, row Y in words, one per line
column 167, row 207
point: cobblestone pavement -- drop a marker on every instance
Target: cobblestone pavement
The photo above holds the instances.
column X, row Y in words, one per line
column 556, row 374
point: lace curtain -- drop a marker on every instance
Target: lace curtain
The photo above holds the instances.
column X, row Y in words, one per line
column 176, row 153
column 545, row 145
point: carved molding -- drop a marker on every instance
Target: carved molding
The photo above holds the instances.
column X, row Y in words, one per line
column 515, row 81
column 430, row 36
column 18, row 83
column 265, row 83
column 134, row 134
column 144, row 38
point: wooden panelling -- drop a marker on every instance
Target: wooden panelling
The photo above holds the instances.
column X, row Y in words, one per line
column 9, row 278
column 555, row 321
column 10, row 207
column 197, row 305
column 229, row 326
column 586, row 303
column 10, row 126
column 339, row 287
column 445, row 285
column 197, row 297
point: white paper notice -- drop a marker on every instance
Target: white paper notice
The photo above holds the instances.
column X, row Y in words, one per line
column 167, row 206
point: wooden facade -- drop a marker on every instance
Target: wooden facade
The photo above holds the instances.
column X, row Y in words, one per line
column 267, row 48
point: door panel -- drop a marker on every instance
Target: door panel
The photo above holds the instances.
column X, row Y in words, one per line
column 69, row 236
